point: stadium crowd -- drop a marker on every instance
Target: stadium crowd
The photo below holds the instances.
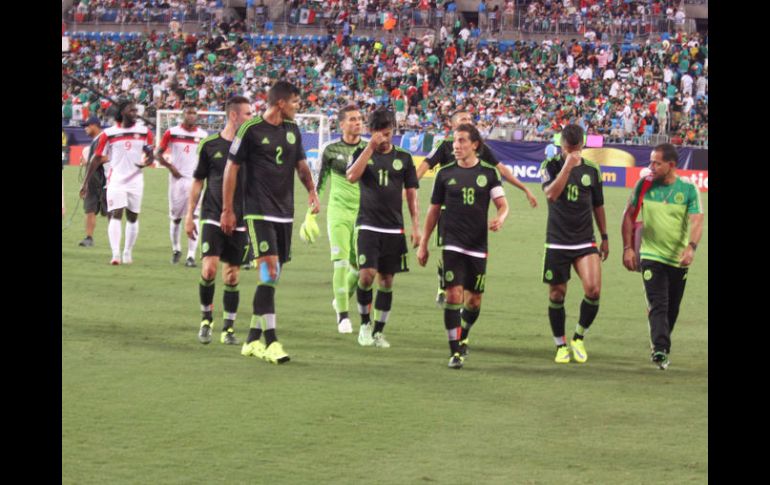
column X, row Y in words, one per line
column 624, row 92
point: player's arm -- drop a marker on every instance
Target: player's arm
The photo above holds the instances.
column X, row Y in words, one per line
column 696, row 231
column 306, row 177
column 507, row 174
column 356, row 170
column 161, row 159
column 227, row 219
column 431, row 160
column 323, row 175
column 97, row 161
column 502, row 211
column 192, row 203
column 414, row 212
column 601, row 223
column 554, row 189
column 430, row 224
column 627, row 230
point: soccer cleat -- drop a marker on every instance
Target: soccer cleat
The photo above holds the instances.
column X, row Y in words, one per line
column 379, row 341
column 190, row 263
column 562, row 355
column 660, row 359
column 440, row 298
column 204, row 334
column 228, row 338
column 365, row 335
column 464, row 348
column 254, row 348
column 345, row 326
column 87, row 242
column 578, row 350
column 127, row 259
column 275, row 353
column 456, row 361
column 176, row 257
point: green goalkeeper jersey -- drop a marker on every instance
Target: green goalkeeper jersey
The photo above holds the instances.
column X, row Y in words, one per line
column 336, row 157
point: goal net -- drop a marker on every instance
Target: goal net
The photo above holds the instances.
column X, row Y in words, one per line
column 211, row 121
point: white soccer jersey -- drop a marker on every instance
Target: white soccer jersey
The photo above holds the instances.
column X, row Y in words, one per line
column 184, row 148
column 123, row 148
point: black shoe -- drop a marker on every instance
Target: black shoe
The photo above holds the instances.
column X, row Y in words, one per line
column 464, row 348
column 456, row 361
column 190, row 263
column 176, row 257
column 87, row 242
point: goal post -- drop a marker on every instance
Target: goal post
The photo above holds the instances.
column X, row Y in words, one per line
column 211, row 121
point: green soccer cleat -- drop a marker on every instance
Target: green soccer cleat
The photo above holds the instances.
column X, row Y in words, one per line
column 228, row 337
column 456, row 361
column 660, row 359
column 578, row 350
column 365, row 335
column 254, row 348
column 562, row 355
column 464, row 351
column 204, row 334
column 275, row 353
column 379, row 341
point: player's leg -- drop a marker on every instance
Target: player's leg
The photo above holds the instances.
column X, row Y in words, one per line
column 352, row 276
column 234, row 254
column 677, row 280
column 556, row 273
column 452, row 317
column 184, row 194
column 474, row 281
column 175, row 222
column 339, row 242
column 392, row 260
column 383, row 302
column 116, row 202
column 656, row 289
column 206, row 287
column 133, row 207
column 440, row 293
column 589, row 268
column 368, row 253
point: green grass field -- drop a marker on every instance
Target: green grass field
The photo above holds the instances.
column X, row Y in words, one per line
column 144, row 402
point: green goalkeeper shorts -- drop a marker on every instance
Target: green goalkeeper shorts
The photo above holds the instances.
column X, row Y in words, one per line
column 342, row 238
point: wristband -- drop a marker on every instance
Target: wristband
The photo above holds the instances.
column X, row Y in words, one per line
column 693, row 245
column 604, row 237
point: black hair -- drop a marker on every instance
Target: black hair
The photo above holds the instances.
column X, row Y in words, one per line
column 347, row 109
column 667, row 152
column 282, row 90
column 122, row 104
column 235, row 101
column 475, row 136
column 572, row 135
column 381, row 119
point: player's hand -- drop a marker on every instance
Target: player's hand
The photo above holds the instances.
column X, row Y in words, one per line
column 313, row 202
column 227, row 222
column 422, row 254
column 629, row 259
column 377, row 139
column 687, row 256
column 531, row 199
column 309, row 231
column 416, row 238
column 604, row 250
column 174, row 172
column 573, row 159
column 83, row 191
column 189, row 228
column 496, row 224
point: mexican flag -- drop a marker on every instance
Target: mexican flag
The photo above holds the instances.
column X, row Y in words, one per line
column 306, row 16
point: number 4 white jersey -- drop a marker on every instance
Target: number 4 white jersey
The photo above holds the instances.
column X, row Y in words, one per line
column 123, row 148
column 184, row 148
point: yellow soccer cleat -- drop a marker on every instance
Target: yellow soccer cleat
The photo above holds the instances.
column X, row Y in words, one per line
column 254, row 348
column 275, row 353
column 562, row 355
column 578, row 350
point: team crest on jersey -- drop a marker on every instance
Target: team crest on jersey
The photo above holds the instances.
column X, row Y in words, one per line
column 481, row 180
column 397, row 164
column 679, row 198
column 265, row 141
column 449, row 276
column 585, row 180
column 291, row 138
column 264, row 246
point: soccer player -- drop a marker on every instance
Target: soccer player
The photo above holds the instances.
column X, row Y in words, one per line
column 465, row 188
column 232, row 250
column 336, row 156
column 96, row 202
column 573, row 187
column 182, row 140
column 671, row 209
column 269, row 147
column 384, row 170
column 123, row 145
column 443, row 155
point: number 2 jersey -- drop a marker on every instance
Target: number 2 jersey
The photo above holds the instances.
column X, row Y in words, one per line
column 570, row 217
column 466, row 194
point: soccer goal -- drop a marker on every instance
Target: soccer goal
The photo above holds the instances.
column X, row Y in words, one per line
column 316, row 131
column 211, row 121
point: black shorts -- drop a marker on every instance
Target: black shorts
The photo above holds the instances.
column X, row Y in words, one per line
column 464, row 270
column 384, row 252
column 269, row 238
column 230, row 249
column 96, row 199
column 557, row 263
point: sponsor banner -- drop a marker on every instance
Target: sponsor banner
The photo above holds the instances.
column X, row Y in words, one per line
column 699, row 177
column 530, row 172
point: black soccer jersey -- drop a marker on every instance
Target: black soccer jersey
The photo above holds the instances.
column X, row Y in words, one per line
column 444, row 154
column 466, row 193
column 269, row 155
column 570, row 218
column 212, row 158
column 386, row 175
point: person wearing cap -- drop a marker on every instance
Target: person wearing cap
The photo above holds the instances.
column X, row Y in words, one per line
column 96, row 200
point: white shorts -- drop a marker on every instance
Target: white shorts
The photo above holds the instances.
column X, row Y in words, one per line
column 178, row 196
column 124, row 196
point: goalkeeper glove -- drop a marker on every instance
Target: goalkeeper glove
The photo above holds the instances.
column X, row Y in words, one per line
column 309, row 230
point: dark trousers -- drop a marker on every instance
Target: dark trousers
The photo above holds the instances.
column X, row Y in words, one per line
column 664, row 286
